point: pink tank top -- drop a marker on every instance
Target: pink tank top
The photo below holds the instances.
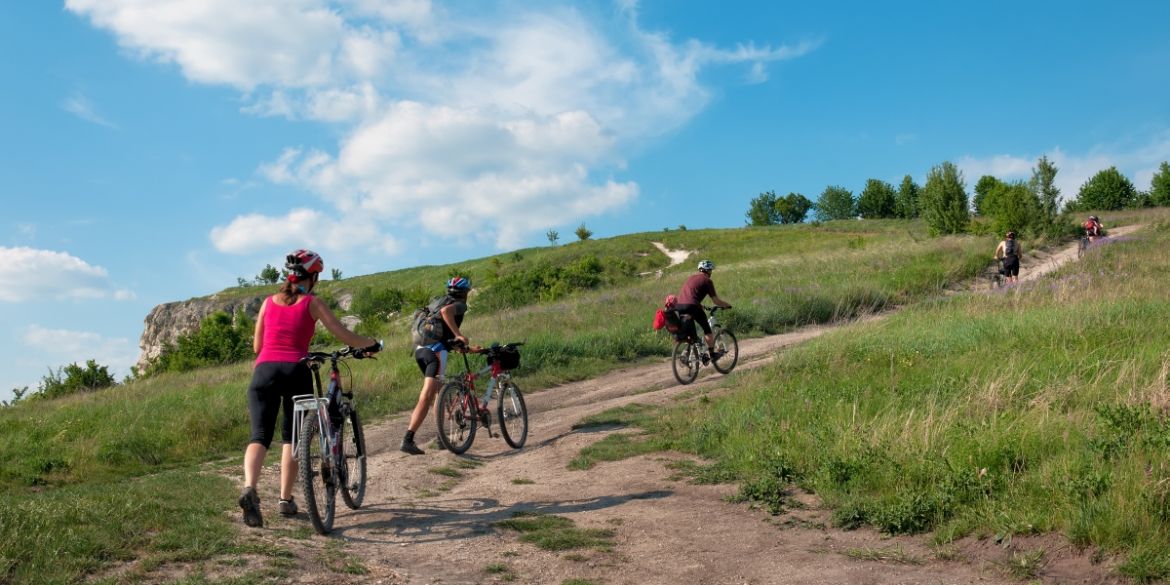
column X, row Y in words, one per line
column 287, row 331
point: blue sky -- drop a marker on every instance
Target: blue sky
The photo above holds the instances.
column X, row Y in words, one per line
column 156, row 151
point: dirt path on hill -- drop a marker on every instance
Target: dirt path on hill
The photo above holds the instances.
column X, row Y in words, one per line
column 420, row 525
column 1038, row 263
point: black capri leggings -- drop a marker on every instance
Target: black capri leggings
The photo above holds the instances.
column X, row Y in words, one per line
column 273, row 386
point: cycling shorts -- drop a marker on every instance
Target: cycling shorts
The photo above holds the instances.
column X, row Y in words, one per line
column 272, row 389
column 1011, row 266
column 698, row 314
column 431, row 360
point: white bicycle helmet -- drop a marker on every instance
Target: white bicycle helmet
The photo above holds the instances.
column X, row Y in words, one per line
column 706, row 266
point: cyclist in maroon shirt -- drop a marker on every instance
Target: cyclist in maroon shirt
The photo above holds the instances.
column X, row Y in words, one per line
column 690, row 299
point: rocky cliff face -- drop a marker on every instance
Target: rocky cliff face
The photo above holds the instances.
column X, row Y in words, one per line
column 168, row 321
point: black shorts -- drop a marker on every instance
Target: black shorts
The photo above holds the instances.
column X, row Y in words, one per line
column 698, row 314
column 1011, row 266
column 432, row 364
column 273, row 386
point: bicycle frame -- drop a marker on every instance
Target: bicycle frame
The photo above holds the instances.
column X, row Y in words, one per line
column 319, row 401
column 497, row 376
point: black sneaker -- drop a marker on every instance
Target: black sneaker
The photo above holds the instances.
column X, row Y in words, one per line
column 288, row 507
column 410, row 447
column 485, row 418
column 250, row 503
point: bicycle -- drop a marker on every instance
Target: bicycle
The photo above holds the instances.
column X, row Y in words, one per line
column 460, row 412
column 328, row 456
column 691, row 352
column 996, row 276
column 1082, row 247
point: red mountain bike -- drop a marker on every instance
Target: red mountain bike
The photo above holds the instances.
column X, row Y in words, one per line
column 461, row 412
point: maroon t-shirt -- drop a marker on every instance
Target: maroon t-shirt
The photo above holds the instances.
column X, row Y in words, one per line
column 695, row 289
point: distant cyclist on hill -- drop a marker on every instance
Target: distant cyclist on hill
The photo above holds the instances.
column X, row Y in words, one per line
column 690, row 299
column 1009, row 251
column 432, row 357
column 284, row 328
column 1093, row 229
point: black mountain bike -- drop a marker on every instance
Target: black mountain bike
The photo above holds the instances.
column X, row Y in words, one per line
column 460, row 412
column 328, row 442
column 691, row 352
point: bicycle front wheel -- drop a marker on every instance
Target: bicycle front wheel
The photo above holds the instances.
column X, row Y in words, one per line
column 317, row 475
column 513, row 415
column 685, row 362
column 353, row 446
column 726, row 351
column 456, row 416
column 1084, row 245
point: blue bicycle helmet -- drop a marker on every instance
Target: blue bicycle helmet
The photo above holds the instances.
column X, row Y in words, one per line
column 459, row 285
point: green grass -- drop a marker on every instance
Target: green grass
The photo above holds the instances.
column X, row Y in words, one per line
column 495, row 568
column 556, row 533
column 58, row 536
column 446, row 471
column 890, row 554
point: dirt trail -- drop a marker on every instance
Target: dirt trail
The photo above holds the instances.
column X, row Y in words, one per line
column 419, row 526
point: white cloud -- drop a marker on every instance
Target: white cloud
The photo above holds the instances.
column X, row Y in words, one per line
column 497, row 123
column 1139, row 162
column 79, row 105
column 56, row 275
column 76, row 347
column 300, row 228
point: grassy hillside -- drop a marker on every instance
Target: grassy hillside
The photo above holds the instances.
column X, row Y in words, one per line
column 1041, row 408
column 88, row 456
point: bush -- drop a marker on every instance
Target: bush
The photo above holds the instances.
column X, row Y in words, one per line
column 220, row 339
column 73, row 378
column 546, row 282
column 377, row 304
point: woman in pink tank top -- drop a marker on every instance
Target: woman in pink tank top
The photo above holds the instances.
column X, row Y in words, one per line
column 284, row 328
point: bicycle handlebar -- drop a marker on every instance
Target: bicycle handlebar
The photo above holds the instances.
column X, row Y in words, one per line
column 356, row 353
column 712, row 309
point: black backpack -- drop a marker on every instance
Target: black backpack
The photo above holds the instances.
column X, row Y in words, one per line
column 1010, row 247
column 426, row 325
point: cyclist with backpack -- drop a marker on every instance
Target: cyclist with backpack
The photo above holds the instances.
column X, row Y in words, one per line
column 435, row 332
column 1093, row 229
column 690, row 300
column 1009, row 251
column 284, row 329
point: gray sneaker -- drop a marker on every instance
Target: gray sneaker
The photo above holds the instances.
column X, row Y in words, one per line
column 410, row 447
column 250, row 504
column 288, row 507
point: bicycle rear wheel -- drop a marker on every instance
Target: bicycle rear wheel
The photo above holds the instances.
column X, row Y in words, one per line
column 727, row 350
column 353, row 448
column 457, row 418
column 316, row 474
column 513, row 415
column 685, row 362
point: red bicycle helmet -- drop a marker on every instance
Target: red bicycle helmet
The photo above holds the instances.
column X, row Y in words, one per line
column 302, row 264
